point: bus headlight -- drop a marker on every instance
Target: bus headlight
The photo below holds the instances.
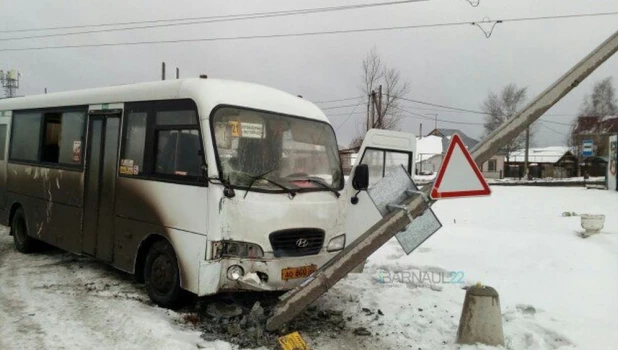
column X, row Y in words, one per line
column 235, row 272
column 336, row 243
column 237, row 249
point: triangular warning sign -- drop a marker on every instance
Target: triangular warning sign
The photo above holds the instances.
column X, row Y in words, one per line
column 458, row 176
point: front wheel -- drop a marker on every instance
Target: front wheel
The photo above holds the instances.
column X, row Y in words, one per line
column 23, row 243
column 162, row 276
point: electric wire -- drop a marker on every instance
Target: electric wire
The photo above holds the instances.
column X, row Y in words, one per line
column 199, row 20
column 348, row 117
column 288, row 35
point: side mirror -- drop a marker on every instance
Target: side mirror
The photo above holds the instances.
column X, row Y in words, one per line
column 360, row 182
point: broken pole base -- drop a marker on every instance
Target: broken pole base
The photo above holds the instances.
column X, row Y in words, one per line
column 481, row 319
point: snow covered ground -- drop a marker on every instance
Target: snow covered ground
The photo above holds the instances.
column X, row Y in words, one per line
column 557, row 290
column 53, row 300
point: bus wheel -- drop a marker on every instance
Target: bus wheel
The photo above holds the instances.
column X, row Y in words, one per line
column 162, row 276
column 23, row 243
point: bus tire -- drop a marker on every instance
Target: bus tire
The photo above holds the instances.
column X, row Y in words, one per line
column 162, row 276
column 19, row 229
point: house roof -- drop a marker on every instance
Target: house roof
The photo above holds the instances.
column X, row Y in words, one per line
column 448, row 133
column 540, row 155
column 596, row 125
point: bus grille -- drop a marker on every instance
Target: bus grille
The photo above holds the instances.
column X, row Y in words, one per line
column 297, row 242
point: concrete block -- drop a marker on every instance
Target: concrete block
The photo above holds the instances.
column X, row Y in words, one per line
column 481, row 318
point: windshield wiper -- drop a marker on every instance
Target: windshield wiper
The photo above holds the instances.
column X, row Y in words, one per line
column 319, row 182
column 263, row 177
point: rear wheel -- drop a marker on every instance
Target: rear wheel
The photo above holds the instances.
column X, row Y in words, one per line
column 162, row 276
column 19, row 229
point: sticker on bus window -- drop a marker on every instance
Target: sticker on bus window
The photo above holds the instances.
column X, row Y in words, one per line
column 77, row 151
column 125, row 170
column 235, row 129
column 252, row 130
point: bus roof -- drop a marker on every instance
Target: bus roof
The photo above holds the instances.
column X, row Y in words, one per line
column 207, row 93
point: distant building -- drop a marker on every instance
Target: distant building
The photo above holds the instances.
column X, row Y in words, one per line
column 431, row 149
column 429, row 154
column 597, row 129
column 348, row 157
column 546, row 162
column 494, row 167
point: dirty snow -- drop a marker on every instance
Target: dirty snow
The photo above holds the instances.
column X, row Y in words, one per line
column 557, row 290
column 53, row 300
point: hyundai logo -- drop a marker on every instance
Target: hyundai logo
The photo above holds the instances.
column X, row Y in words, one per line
column 302, row 243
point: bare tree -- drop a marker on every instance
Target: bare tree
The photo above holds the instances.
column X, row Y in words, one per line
column 503, row 106
column 387, row 115
column 600, row 103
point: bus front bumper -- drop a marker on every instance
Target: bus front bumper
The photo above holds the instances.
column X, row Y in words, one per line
column 257, row 274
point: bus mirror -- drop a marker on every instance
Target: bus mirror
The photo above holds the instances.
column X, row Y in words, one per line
column 360, row 181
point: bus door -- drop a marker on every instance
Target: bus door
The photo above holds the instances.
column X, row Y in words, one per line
column 100, row 183
column 381, row 150
column 5, row 127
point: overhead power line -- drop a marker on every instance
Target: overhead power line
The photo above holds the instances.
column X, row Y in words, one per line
column 416, row 115
column 443, row 106
column 196, row 20
column 348, row 117
column 451, row 109
column 337, row 107
column 339, row 100
column 301, row 34
column 551, row 129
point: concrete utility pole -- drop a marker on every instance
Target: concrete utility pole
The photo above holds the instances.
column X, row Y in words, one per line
column 296, row 300
column 368, row 111
column 373, row 110
column 526, row 169
column 380, row 111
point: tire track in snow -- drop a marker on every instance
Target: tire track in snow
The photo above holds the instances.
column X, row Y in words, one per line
column 56, row 300
column 14, row 313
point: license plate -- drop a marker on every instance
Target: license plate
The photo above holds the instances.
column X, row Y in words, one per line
column 297, row 272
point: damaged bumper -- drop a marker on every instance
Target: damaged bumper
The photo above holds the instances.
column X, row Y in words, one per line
column 262, row 274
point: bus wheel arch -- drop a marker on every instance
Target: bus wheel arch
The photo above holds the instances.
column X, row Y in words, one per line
column 158, row 267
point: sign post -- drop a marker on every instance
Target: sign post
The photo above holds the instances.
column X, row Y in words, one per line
column 459, row 176
column 587, row 148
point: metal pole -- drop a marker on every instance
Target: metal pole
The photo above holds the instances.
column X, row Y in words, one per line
column 380, row 112
column 296, row 300
column 162, row 70
column 526, row 169
column 177, row 73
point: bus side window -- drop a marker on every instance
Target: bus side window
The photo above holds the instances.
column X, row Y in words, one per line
column 178, row 148
column 2, row 141
column 50, row 151
column 135, row 143
column 25, row 140
column 61, row 132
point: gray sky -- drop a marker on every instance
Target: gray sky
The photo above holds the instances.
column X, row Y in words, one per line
column 455, row 66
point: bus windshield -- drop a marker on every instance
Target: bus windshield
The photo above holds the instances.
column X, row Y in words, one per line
column 273, row 152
